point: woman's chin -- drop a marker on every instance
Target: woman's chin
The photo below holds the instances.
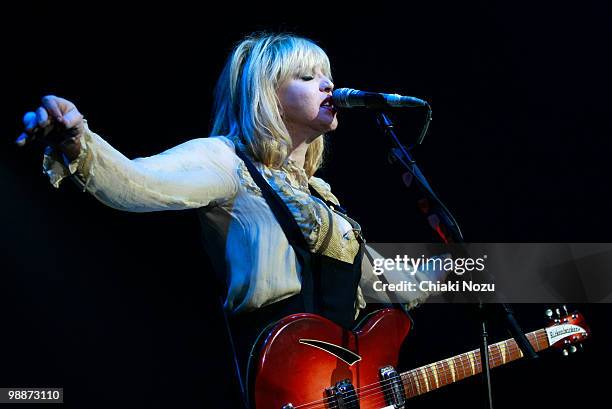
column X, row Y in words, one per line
column 331, row 125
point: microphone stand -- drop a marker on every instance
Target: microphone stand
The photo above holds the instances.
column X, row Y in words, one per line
column 444, row 224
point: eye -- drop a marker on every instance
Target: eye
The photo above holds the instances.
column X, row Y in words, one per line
column 307, row 78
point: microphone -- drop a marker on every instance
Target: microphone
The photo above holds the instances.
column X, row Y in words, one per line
column 352, row 98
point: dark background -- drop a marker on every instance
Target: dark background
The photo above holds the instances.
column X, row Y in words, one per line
column 116, row 308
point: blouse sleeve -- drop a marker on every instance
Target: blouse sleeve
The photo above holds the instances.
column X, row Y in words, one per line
column 193, row 174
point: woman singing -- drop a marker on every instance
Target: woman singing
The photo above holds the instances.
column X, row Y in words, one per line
column 276, row 236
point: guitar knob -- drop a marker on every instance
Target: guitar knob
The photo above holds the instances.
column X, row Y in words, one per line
column 549, row 313
column 564, row 352
column 573, row 349
column 581, row 347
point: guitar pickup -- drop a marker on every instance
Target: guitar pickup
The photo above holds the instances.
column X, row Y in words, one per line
column 392, row 384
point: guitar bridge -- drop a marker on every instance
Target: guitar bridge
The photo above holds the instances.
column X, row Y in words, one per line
column 343, row 395
column 393, row 386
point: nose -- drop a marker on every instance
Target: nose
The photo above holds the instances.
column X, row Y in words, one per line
column 327, row 85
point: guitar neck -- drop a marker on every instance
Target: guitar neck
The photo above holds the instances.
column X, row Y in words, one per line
column 433, row 376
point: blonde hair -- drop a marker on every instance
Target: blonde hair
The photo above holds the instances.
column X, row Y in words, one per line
column 247, row 109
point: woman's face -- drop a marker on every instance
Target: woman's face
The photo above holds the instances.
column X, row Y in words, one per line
column 307, row 107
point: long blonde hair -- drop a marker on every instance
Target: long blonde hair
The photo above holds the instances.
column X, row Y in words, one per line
column 247, row 109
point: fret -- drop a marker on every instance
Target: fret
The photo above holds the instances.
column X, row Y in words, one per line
column 517, row 351
column 425, row 379
column 465, row 365
column 451, row 365
column 425, row 375
column 543, row 339
column 409, row 385
column 466, row 359
column 508, row 348
column 497, row 357
column 443, row 373
column 445, row 370
column 451, row 372
column 413, row 385
column 445, row 377
column 471, row 356
column 434, row 372
column 493, row 356
column 533, row 341
column 461, row 369
column 501, row 354
column 501, row 347
column 418, row 384
column 476, row 361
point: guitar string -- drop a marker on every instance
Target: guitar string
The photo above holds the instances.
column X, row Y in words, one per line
column 429, row 371
column 377, row 395
column 473, row 362
column 445, row 372
column 363, row 392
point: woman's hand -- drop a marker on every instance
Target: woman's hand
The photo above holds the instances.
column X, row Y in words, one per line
column 57, row 123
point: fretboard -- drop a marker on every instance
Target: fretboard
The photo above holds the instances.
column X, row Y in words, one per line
column 433, row 376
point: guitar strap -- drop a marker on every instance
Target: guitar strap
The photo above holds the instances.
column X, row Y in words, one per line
column 329, row 286
column 290, row 228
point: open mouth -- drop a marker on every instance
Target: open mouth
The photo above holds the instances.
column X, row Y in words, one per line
column 328, row 104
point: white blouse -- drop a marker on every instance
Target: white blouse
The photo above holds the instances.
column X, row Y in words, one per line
column 260, row 264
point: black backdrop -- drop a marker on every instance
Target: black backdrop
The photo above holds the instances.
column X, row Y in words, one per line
column 116, row 308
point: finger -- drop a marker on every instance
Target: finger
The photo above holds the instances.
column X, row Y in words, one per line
column 29, row 122
column 22, row 140
column 72, row 118
column 51, row 104
column 28, row 118
column 42, row 117
column 64, row 106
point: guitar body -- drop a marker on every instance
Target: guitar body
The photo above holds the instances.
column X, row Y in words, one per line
column 304, row 354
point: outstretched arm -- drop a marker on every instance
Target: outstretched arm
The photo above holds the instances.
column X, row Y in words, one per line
column 190, row 175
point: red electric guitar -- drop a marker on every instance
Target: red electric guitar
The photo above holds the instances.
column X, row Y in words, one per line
column 309, row 362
